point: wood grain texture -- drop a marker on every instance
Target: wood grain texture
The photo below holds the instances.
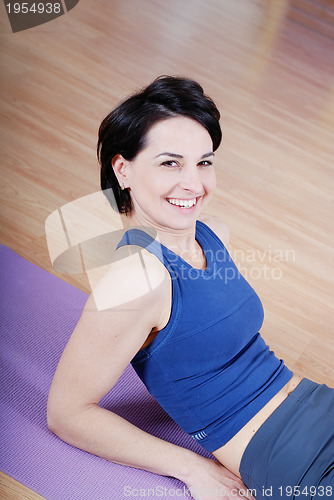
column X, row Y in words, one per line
column 269, row 65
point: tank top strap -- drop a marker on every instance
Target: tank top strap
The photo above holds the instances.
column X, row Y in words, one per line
column 207, row 237
column 140, row 238
column 208, row 240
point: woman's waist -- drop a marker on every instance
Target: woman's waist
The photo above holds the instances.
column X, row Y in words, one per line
column 231, row 453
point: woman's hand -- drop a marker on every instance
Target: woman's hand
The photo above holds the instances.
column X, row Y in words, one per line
column 212, row 481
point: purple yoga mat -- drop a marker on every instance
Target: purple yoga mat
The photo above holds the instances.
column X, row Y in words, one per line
column 38, row 314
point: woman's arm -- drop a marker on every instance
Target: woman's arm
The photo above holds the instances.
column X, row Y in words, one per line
column 100, row 348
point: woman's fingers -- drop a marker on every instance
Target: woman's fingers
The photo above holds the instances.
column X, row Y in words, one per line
column 212, row 481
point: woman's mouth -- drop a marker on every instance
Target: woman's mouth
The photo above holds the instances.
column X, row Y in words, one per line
column 182, row 203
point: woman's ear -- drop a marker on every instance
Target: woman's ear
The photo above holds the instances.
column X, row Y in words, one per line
column 120, row 166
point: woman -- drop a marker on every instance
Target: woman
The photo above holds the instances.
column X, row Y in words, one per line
column 188, row 321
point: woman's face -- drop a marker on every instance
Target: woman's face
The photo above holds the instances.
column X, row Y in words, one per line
column 172, row 178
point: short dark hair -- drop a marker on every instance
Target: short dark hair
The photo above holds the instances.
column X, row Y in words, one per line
column 124, row 130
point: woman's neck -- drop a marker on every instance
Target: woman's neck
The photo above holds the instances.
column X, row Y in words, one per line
column 181, row 241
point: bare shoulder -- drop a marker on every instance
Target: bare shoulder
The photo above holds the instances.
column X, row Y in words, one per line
column 124, row 308
column 218, row 227
column 136, row 275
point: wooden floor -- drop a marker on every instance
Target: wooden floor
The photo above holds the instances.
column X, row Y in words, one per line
column 269, row 65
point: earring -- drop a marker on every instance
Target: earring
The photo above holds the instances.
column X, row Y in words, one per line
column 122, row 186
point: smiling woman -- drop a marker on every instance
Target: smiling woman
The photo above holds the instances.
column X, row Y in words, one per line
column 188, row 321
column 169, row 189
column 124, row 131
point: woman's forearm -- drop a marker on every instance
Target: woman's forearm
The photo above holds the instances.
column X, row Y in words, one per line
column 107, row 435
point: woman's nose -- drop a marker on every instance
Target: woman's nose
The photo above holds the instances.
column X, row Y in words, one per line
column 190, row 179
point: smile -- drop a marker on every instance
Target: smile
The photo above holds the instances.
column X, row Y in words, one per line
column 183, row 203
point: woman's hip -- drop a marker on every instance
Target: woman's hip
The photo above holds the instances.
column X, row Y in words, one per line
column 231, row 453
column 292, row 454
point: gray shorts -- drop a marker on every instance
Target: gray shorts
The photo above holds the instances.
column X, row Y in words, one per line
column 292, row 454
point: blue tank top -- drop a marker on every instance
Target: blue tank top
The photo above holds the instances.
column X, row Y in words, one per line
column 209, row 368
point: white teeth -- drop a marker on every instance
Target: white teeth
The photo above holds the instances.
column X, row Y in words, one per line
column 182, row 203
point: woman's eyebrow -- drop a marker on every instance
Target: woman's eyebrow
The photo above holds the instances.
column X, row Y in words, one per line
column 172, row 155
column 175, row 155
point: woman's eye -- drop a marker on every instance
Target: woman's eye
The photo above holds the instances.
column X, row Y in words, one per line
column 205, row 163
column 170, row 163
column 173, row 163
